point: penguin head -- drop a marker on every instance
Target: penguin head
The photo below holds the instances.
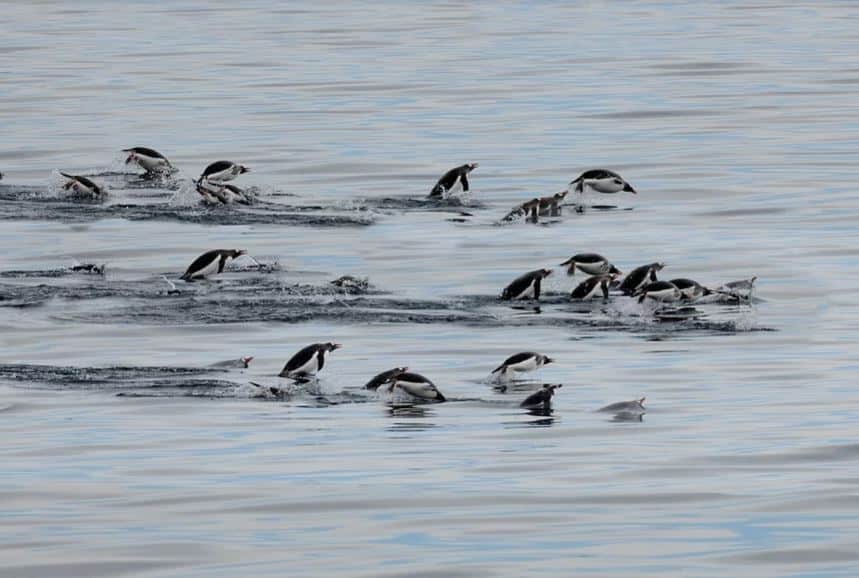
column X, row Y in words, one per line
column 628, row 188
column 331, row 346
column 131, row 155
column 236, row 253
column 658, row 266
column 243, row 169
column 559, row 196
column 546, row 359
column 545, row 272
column 470, row 167
column 614, row 271
column 246, row 361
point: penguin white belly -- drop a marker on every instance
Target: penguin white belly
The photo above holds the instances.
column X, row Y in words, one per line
column 664, row 295
column 592, row 268
column 151, row 164
column 605, row 186
column 309, row 368
column 529, row 364
column 208, row 270
column 419, row 390
column 454, row 190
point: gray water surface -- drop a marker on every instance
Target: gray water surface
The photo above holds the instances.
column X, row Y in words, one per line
column 125, row 454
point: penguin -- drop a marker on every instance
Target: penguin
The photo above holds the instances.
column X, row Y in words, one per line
column 593, row 286
column 452, row 181
column 522, row 362
column 689, row 289
column 222, row 193
column 220, row 171
column 210, row 263
column 82, row 186
column 308, row 361
column 590, row 263
column 661, row 291
column 639, row 276
column 541, row 399
column 529, row 209
column 636, row 405
column 241, row 362
column 416, row 385
column 601, row 181
column 526, row 286
column 89, row 268
column 551, row 206
column 149, row 160
column 385, row 377
column 738, row 290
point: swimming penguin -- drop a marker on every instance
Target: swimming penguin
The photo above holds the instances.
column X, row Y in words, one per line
column 689, row 289
column 541, row 399
column 529, row 209
column 738, row 290
column 149, row 160
column 416, row 385
column 526, row 286
column 210, row 263
column 601, row 181
column 522, row 362
column 662, row 291
column 242, row 362
column 384, row 377
column 590, row 263
column 220, row 171
column 453, row 181
column 639, row 276
column 550, row 206
column 82, row 186
column 636, row 405
column 224, row 193
column 308, row 361
column 593, row 286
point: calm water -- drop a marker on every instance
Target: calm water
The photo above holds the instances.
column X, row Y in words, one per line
column 738, row 125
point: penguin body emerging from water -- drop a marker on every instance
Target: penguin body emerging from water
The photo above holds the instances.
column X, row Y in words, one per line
column 415, row 385
column 82, row 186
column 308, row 361
column 149, row 160
column 452, row 182
column 522, row 362
column 385, row 377
column 592, row 287
column 690, row 289
column 661, row 291
column 590, row 263
column 602, row 181
column 640, row 276
column 210, row 263
column 526, row 286
column 551, row 206
column 541, row 399
column 221, row 171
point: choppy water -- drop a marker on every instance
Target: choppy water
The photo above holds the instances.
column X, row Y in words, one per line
column 125, row 453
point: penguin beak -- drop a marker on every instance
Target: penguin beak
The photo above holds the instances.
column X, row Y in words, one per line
column 549, row 360
column 129, row 159
column 335, row 346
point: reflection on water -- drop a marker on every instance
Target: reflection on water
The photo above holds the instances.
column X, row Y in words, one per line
column 126, row 454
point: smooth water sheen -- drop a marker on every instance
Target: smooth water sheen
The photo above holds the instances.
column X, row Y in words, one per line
column 737, row 123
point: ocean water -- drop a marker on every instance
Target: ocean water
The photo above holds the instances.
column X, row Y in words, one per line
column 125, row 454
